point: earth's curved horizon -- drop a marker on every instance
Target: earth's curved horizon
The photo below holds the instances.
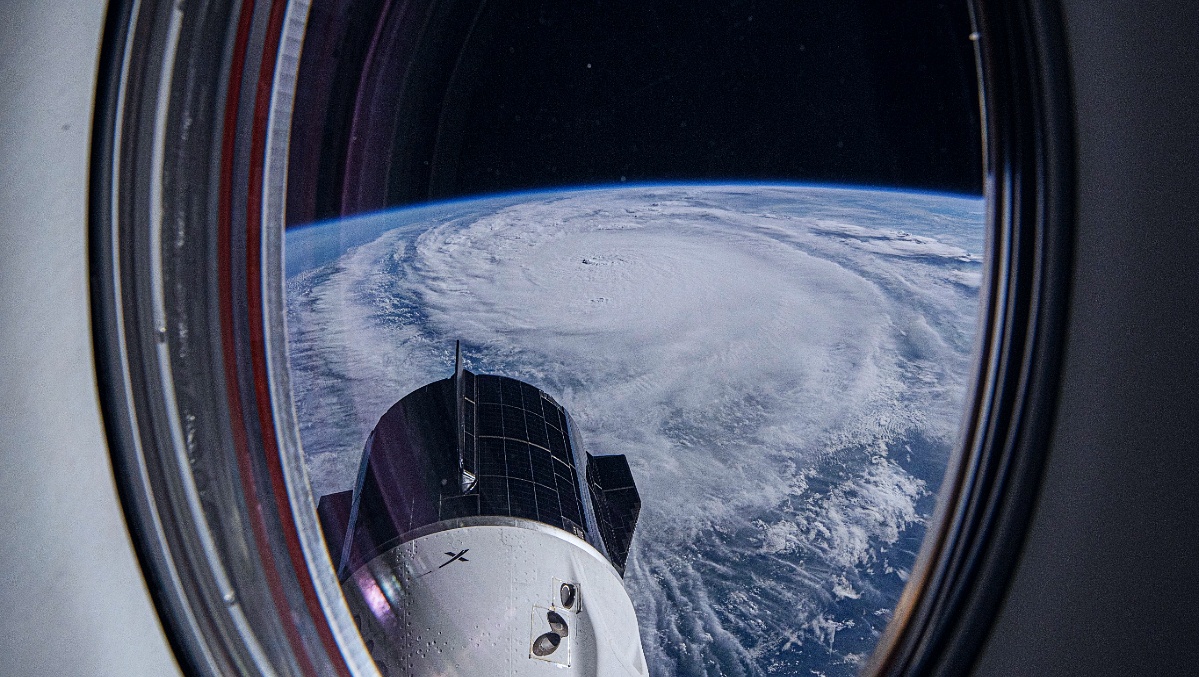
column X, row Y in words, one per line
column 783, row 365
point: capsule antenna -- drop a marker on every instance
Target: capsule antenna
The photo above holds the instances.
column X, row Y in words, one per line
column 466, row 471
column 458, row 361
column 459, row 414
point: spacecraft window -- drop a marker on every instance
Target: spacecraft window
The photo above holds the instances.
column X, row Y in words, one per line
column 743, row 247
column 722, row 299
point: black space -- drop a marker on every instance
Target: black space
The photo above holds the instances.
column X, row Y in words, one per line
column 417, row 100
column 602, row 91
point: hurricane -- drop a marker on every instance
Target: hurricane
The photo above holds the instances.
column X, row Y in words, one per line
column 785, row 367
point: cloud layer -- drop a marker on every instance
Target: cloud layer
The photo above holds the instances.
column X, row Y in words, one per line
column 784, row 367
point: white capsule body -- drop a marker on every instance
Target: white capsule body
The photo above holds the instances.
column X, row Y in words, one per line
column 472, row 597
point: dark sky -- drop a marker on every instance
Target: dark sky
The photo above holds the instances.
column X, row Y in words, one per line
column 477, row 96
column 587, row 91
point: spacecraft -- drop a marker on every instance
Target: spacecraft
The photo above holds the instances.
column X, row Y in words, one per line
column 481, row 539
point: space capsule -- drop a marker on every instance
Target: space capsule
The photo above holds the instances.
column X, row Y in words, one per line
column 481, row 539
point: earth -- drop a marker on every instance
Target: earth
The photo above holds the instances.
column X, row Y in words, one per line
column 783, row 365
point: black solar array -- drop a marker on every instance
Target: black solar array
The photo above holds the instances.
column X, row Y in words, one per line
column 512, row 439
column 617, row 503
column 470, row 409
column 525, row 467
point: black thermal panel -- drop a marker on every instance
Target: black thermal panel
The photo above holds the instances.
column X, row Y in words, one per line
column 489, row 446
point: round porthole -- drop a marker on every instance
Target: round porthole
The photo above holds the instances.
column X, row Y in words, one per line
column 751, row 306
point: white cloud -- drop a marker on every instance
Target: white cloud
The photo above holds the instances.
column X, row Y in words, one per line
column 755, row 352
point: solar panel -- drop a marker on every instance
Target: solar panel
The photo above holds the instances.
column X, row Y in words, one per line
column 510, row 393
column 522, row 498
column 514, row 441
column 514, row 423
column 491, row 457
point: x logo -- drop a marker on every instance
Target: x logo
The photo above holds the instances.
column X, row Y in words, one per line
column 455, row 557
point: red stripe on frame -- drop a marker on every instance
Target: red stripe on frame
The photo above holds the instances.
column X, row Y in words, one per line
column 228, row 343
column 262, row 109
